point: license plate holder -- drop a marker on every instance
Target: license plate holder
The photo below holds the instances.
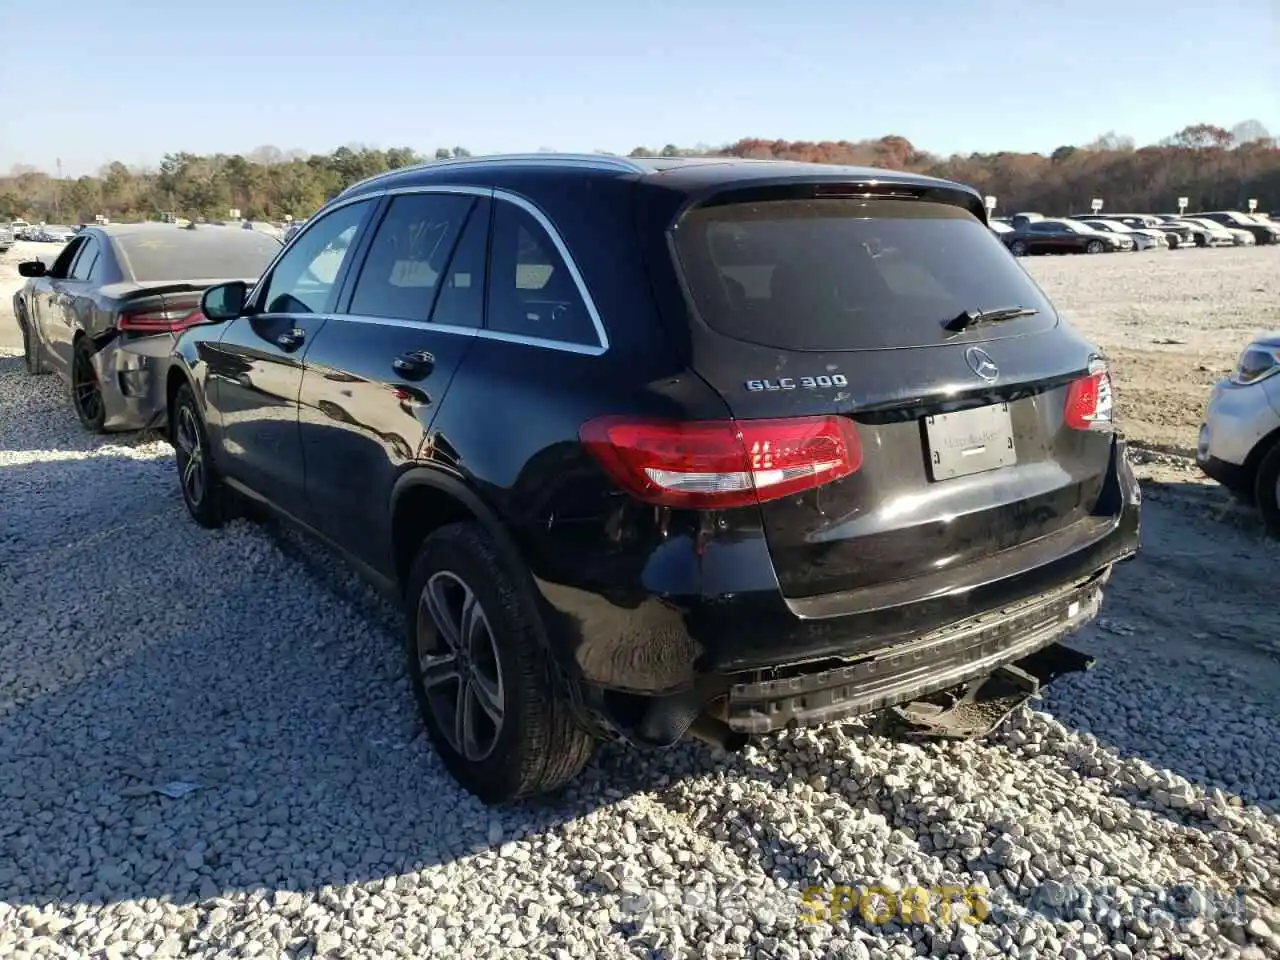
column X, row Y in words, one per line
column 969, row 441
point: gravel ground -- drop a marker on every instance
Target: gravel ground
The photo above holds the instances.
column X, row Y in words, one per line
column 1172, row 322
column 1119, row 819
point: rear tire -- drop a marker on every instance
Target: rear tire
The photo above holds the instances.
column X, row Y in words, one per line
column 202, row 489
column 1018, row 248
column 86, row 390
column 1266, row 490
column 475, row 649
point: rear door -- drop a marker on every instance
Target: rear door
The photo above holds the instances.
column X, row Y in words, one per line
column 255, row 370
column 378, row 372
column 1049, row 237
column 841, row 308
column 76, row 299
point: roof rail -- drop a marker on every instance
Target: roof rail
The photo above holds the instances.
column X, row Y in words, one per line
column 598, row 161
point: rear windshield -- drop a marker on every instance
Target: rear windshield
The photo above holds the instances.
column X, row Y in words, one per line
column 847, row 274
column 209, row 253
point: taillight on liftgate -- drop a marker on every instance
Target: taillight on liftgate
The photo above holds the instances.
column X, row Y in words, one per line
column 1089, row 405
column 717, row 464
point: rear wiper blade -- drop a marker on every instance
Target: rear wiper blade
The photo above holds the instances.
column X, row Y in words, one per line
column 976, row 318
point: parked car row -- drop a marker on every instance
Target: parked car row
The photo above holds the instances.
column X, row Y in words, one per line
column 40, row 232
column 604, row 429
column 1027, row 234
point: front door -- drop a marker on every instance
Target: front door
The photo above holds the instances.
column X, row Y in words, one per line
column 378, row 372
column 74, row 298
column 255, row 371
column 49, row 311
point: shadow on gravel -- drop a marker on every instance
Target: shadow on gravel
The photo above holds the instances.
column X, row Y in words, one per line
column 302, row 745
column 47, row 420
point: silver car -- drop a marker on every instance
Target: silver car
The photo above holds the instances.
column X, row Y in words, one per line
column 104, row 315
column 1222, row 236
column 1239, row 444
column 1142, row 239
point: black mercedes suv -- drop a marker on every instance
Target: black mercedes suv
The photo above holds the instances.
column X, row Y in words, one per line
column 658, row 447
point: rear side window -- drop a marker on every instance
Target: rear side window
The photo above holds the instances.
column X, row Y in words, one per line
column 836, row 274
column 401, row 276
column 61, row 267
column 531, row 292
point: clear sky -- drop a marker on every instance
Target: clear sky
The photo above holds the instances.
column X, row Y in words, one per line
column 89, row 81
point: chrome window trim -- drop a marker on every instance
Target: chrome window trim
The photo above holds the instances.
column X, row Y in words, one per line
column 475, row 332
column 596, row 349
column 409, row 324
column 566, row 346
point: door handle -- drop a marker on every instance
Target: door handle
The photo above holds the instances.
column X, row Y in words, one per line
column 291, row 340
column 417, row 363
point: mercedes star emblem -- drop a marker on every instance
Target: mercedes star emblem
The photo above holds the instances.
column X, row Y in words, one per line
column 980, row 362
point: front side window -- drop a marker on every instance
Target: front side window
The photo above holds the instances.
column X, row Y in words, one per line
column 304, row 277
column 409, row 254
column 531, row 292
column 61, row 268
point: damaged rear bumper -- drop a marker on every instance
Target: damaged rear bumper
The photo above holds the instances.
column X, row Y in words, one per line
column 132, row 375
column 814, row 671
column 939, row 661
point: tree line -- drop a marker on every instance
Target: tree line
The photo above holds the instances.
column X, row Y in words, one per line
column 1213, row 167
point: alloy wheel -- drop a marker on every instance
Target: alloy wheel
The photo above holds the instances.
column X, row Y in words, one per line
column 459, row 666
column 190, row 457
column 85, row 389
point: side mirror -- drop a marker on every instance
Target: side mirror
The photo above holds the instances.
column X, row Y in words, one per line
column 32, row 268
column 225, row 301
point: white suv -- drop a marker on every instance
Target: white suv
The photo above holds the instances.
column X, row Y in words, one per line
column 1239, row 443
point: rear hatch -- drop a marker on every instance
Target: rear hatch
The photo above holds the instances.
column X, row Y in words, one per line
column 959, row 440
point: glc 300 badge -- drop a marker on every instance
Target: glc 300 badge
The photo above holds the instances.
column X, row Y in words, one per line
column 799, row 383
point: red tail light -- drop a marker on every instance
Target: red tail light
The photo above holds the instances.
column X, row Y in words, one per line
column 159, row 318
column 716, row 464
column 1089, row 404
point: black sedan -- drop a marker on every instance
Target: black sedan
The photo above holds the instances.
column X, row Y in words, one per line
column 125, row 284
column 1062, row 236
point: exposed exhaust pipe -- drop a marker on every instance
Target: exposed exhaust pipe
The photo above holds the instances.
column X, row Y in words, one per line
column 692, row 713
